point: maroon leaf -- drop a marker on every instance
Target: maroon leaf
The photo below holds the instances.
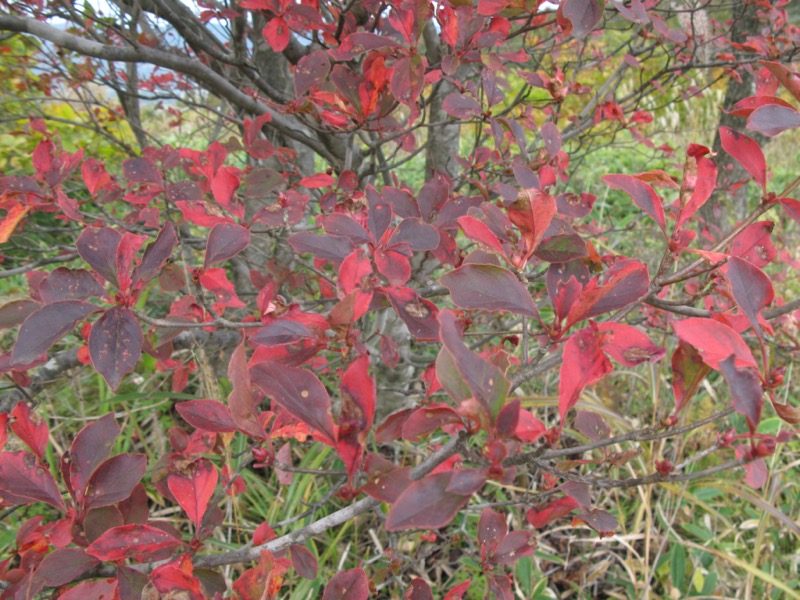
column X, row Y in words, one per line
column 225, row 241
column 347, row 585
column 773, row 119
column 715, row 341
column 334, row 248
column 486, row 381
column 492, row 528
column 24, row 481
column 303, row 561
column 385, row 480
column 89, row 449
column 601, row 521
column 751, row 288
column 115, row 344
column 242, row 405
column 424, row 421
column 15, row 312
column 747, row 393
column 193, row 488
column 69, row 284
column 575, row 205
column 488, row 287
column 142, row 170
column 688, row 372
column 461, row 106
column 420, row 236
column 156, row 254
column 583, row 363
column 747, row 153
column 98, row 247
column 584, row 15
column 64, row 565
column 345, row 225
column 136, row 542
column 426, row 504
column 208, row 415
column 312, row 69
column 514, row 546
column 622, row 284
column 417, row 313
column 114, row 480
column 45, row 326
column 299, row 392
column 642, row 194
column 418, row 590
column 592, row 425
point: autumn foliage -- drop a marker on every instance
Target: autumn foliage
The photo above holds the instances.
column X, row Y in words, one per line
column 322, row 277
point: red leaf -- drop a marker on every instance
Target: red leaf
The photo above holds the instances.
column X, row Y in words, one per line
column 715, row 341
column 155, row 255
column 136, row 542
column 788, row 79
column 311, row 70
column 747, row 153
column 115, row 344
column 479, row 232
column 584, row 15
column 773, row 119
column 424, row 421
column 688, row 372
column 320, row 180
column 95, row 176
column 45, row 326
column 747, row 393
column 347, row 585
column 225, row 241
column 29, row 428
column 303, row 561
column 208, row 415
column 64, row 565
column 114, row 480
column 224, row 184
column 540, row 517
column 754, row 245
column 642, row 194
column 457, row 593
column 622, row 284
column 532, row 213
column 488, row 287
column 24, row 481
column 357, row 390
column 89, row 449
column 216, row 281
column 583, row 363
column 16, row 311
column 242, row 405
column 193, row 488
column 7, row 226
column 142, row 170
column 277, row 34
column 299, row 392
column 744, row 108
column 426, row 504
column 701, row 182
column 628, row 345
column 98, row 247
column 751, row 288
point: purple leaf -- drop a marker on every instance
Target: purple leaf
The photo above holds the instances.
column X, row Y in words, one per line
column 225, row 241
column 115, row 344
column 98, row 247
column 156, row 254
column 114, row 480
column 45, row 326
column 488, row 287
column 773, row 119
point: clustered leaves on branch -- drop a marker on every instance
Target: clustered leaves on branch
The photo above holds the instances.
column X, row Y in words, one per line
column 171, row 252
